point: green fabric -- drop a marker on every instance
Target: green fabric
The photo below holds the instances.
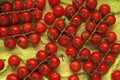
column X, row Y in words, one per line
column 64, row 66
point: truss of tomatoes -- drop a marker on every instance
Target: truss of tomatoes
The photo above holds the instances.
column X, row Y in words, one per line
column 19, row 24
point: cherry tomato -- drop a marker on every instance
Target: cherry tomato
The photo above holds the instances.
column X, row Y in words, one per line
column 14, row 60
column 91, row 4
column 96, row 38
column 84, row 13
column 64, row 40
column 54, row 76
column 27, row 27
column 35, row 75
column 54, row 62
column 54, row 2
column 77, row 3
column 88, row 66
column 37, row 14
column 71, row 51
column 26, row 16
column 51, row 48
column 2, row 65
column 14, row 30
column 110, row 59
column 40, row 4
column 29, row 4
column 22, row 72
column 96, row 16
column 22, row 41
column 59, row 24
column 84, row 54
column 58, row 11
column 104, row 47
column 104, row 9
column 115, row 48
column 6, row 6
column 111, row 36
column 77, row 42
column 76, row 21
column 95, row 76
column 96, row 57
column 110, row 19
column 53, row 33
column 3, row 31
column 10, row 43
column 40, row 27
column 103, row 68
column 41, row 55
column 44, row 69
column 75, row 66
column 70, row 11
column 12, row 77
column 71, row 31
column 73, row 77
column 4, row 20
column 116, row 75
column 49, row 18
column 31, row 63
column 14, row 18
column 90, row 26
column 102, row 28
column 34, row 38
column 18, row 5
column 85, row 35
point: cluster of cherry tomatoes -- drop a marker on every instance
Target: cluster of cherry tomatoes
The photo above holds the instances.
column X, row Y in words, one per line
column 97, row 33
column 44, row 64
column 19, row 22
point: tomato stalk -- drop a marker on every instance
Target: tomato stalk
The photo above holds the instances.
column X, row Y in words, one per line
column 70, row 20
column 38, row 66
column 18, row 11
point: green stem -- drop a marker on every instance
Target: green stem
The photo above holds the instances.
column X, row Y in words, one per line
column 69, row 23
column 38, row 66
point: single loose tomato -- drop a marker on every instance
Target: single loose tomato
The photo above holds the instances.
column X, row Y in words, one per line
column 75, row 66
column 116, row 75
column 49, row 18
column 91, row 4
column 2, row 65
column 54, row 76
column 54, row 2
column 58, row 11
column 12, row 77
column 14, row 60
column 73, row 77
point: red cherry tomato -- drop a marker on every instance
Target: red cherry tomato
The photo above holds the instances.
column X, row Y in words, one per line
column 75, row 66
column 1, row 64
column 12, row 77
column 54, row 76
column 41, row 55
